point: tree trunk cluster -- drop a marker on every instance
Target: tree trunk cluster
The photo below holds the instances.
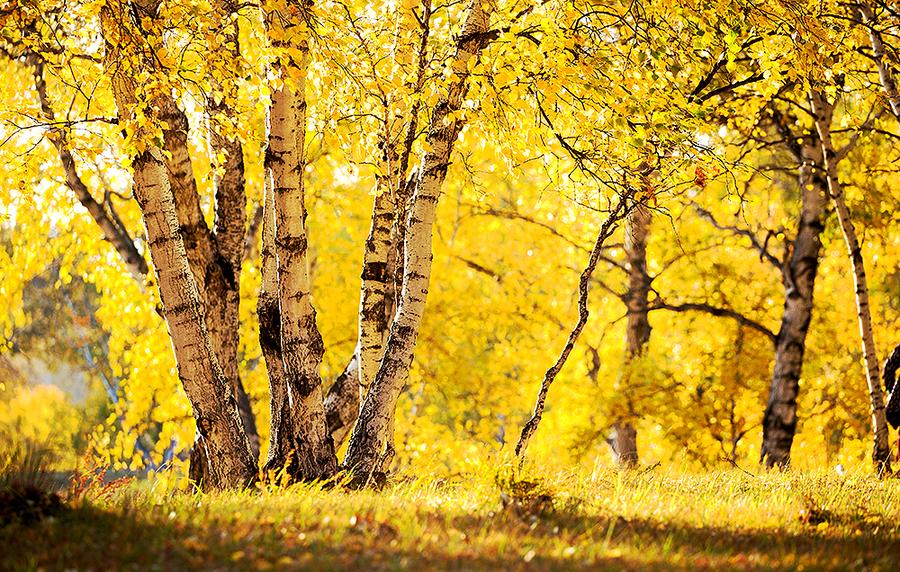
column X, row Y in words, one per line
column 198, row 268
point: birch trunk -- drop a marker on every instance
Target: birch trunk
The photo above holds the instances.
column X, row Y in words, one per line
column 342, row 402
column 124, row 245
column 220, row 432
column 382, row 274
column 881, row 452
column 373, row 293
column 637, row 331
column 217, row 279
column 798, row 275
column 217, row 283
column 370, row 434
column 270, row 336
column 305, row 448
column 584, row 283
column 878, row 56
column 218, row 422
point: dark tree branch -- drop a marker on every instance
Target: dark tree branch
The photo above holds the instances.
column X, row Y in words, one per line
column 714, row 311
column 764, row 253
column 113, row 231
column 606, row 230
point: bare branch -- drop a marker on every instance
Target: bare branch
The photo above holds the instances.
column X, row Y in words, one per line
column 606, row 229
column 715, row 311
column 113, row 230
column 764, row 253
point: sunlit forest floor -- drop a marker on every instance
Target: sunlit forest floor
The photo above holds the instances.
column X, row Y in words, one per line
column 655, row 519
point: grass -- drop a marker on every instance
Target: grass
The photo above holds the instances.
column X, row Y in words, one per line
column 651, row 520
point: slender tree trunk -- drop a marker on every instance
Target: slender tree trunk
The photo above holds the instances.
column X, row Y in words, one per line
column 307, row 451
column 403, row 190
column 637, row 331
column 878, row 56
column 881, row 452
column 119, row 238
column 606, row 230
column 221, row 434
column 343, row 398
column 798, row 275
column 370, row 434
column 112, row 229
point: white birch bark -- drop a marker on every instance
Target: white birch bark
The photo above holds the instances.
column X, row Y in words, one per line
column 372, row 305
column 230, row 236
column 584, row 283
column 221, row 435
column 878, row 56
column 270, row 336
column 370, row 434
column 309, row 445
column 823, row 110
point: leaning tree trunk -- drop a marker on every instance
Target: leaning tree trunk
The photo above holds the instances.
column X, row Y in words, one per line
column 306, row 450
column 798, row 276
column 112, row 228
column 218, row 422
column 371, row 432
column 118, row 236
column 885, row 77
column 218, row 279
column 219, row 426
column 881, row 452
column 343, row 398
column 584, row 282
column 637, row 330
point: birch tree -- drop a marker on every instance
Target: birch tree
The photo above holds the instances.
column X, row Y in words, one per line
column 221, row 434
column 823, row 111
column 370, row 434
column 208, row 115
column 304, row 446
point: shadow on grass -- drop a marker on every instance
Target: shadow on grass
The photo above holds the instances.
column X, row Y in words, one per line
column 88, row 538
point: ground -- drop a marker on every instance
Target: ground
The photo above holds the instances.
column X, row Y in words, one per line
column 656, row 519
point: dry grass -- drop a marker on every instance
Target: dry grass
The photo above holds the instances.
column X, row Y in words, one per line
column 651, row 520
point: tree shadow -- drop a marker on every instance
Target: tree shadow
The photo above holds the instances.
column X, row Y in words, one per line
column 89, row 538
